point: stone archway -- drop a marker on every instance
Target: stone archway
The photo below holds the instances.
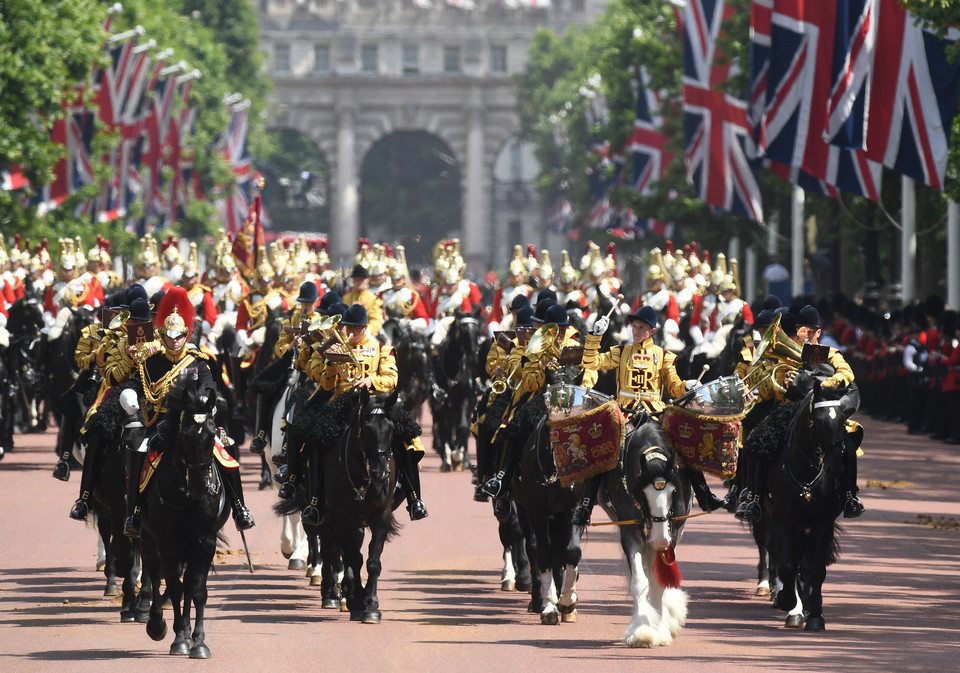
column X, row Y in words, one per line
column 410, row 193
column 296, row 189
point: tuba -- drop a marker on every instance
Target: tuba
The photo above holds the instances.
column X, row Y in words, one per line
column 776, row 353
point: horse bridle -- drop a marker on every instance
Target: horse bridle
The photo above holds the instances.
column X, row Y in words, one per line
column 360, row 492
column 466, row 320
column 805, row 487
column 642, row 506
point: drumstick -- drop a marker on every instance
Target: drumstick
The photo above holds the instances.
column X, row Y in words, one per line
column 615, row 307
column 703, row 371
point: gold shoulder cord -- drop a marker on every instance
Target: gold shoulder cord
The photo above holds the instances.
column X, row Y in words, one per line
column 161, row 386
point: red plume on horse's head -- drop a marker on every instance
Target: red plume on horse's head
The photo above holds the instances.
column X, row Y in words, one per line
column 666, row 569
column 175, row 299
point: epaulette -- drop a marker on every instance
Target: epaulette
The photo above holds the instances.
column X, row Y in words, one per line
column 205, row 288
column 196, row 352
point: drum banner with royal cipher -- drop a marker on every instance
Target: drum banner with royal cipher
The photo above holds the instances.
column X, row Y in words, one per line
column 588, row 443
column 706, row 443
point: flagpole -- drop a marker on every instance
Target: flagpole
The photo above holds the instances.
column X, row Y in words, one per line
column 796, row 241
column 953, row 255
column 908, row 244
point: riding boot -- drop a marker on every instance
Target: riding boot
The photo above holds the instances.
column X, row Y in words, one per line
column 241, row 515
column 313, row 513
column 498, row 486
column 706, row 499
column 409, row 471
column 852, row 508
column 581, row 515
column 133, row 461
column 91, row 467
column 259, row 442
column 749, row 508
column 65, row 440
column 289, row 480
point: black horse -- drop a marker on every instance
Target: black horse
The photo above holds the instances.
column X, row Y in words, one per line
column 649, row 489
column 60, row 367
column 805, row 495
column 458, row 364
column 102, row 437
column 545, row 509
column 21, row 396
column 413, row 364
column 360, row 482
column 185, row 507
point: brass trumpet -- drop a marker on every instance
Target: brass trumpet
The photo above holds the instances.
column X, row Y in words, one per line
column 776, row 352
column 344, row 360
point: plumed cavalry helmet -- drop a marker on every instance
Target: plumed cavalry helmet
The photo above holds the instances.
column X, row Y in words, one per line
column 67, row 260
column 78, row 253
column 263, row 272
column 191, row 267
column 516, row 267
column 175, row 316
column 656, row 271
column 530, row 263
column 546, row 268
column 567, row 273
column 171, row 250
column 148, row 251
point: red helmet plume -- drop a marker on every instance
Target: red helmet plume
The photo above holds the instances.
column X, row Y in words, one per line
column 175, row 299
column 668, row 246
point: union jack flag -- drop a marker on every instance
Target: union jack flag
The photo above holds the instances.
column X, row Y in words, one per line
column 233, row 209
column 847, row 109
column 789, row 99
column 647, row 143
column 913, row 97
column 716, row 130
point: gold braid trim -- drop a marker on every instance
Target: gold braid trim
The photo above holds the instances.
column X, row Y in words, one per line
column 156, row 392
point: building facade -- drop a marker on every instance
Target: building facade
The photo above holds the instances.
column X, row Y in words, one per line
column 347, row 73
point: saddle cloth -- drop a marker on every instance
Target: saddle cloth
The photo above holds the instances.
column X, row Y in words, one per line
column 153, row 461
column 587, row 444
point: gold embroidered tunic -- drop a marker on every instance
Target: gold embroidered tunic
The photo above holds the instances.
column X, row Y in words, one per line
column 375, row 360
column 644, row 372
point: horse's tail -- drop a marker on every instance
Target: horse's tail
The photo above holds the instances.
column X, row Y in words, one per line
column 294, row 505
column 393, row 527
column 833, row 550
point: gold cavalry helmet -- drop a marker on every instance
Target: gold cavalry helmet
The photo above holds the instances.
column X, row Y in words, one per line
column 148, row 252
column 175, row 314
column 67, row 260
column 516, row 266
column 263, row 272
column 567, row 273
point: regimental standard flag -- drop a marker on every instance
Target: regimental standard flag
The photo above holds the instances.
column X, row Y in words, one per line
column 913, row 97
column 790, row 92
column 250, row 239
column 234, row 207
column 716, row 130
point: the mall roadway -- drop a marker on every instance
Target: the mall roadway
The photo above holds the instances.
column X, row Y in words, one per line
column 892, row 602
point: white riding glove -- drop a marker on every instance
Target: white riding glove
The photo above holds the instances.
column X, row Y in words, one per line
column 599, row 327
column 690, row 384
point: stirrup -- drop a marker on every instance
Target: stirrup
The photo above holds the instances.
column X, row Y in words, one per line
column 310, row 516
column 417, row 510
column 62, row 470
column 259, row 443
column 131, row 527
column 852, row 508
column 243, row 519
column 493, row 486
column 80, row 510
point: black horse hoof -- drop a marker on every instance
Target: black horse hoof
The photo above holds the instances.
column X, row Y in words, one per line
column 180, row 647
column 371, row 617
column 524, row 584
column 142, row 616
column 793, row 621
column 330, row 604
column 111, row 589
column 157, row 629
column 815, row 624
column 535, row 606
column 296, row 564
column 128, row 617
column 356, row 615
column 200, row 651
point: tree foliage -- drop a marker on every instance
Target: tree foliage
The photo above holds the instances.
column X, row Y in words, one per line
column 636, row 33
column 48, row 48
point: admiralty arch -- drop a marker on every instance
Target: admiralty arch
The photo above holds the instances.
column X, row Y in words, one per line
column 348, row 73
